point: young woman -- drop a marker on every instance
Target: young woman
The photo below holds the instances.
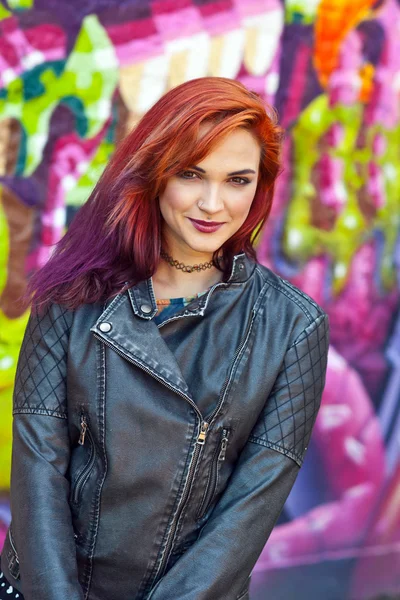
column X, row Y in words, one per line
column 167, row 383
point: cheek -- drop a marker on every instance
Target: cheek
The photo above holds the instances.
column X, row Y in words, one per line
column 239, row 206
column 177, row 197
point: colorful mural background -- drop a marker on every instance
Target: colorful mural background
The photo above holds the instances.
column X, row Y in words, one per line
column 74, row 77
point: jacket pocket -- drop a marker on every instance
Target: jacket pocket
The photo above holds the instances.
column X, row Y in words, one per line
column 212, row 481
column 85, row 438
column 11, row 555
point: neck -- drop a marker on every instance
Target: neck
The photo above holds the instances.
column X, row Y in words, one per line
column 170, row 282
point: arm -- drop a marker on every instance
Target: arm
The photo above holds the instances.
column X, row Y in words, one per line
column 41, row 518
column 219, row 563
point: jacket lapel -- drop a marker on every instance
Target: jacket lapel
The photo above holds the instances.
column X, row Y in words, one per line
column 139, row 341
column 126, row 325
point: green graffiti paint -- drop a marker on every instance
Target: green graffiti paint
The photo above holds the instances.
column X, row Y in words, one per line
column 351, row 228
column 78, row 195
column 89, row 77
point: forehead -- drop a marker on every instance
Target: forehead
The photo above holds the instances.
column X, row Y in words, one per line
column 238, row 150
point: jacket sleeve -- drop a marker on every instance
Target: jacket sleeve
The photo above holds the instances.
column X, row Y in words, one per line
column 41, row 523
column 219, row 563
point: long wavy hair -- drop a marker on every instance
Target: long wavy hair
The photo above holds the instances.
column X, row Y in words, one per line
column 114, row 240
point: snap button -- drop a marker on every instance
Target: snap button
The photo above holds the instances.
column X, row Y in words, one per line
column 105, row 327
column 146, row 308
column 241, row 266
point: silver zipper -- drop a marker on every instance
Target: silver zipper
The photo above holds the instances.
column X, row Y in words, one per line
column 12, row 544
column 188, row 483
column 82, row 478
column 160, row 379
column 235, row 360
column 200, row 441
column 82, row 435
column 224, row 445
column 196, row 453
column 201, row 438
column 204, row 426
column 218, row 457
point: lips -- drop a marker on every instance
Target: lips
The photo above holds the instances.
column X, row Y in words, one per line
column 206, row 226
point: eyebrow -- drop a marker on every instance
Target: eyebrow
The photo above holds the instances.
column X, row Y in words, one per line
column 242, row 172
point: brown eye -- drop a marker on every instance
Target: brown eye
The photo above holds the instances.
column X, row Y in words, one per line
column 188, row 174
column 240, row 180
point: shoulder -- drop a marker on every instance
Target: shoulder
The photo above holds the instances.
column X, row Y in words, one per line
column 290, row 303
column 290, row 295
column 58, row 322
column 50, row 317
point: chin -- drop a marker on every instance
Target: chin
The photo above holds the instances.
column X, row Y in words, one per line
column 204, row 249
column 208, row 246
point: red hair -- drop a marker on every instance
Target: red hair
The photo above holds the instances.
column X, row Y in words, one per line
column 116, row 235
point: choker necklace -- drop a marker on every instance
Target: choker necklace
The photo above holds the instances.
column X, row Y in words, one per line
column 185, row 268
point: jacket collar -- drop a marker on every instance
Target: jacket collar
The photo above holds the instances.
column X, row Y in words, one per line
column 143, row 299
column 139, row 341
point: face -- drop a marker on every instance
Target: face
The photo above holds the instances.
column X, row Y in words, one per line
column 219, row 189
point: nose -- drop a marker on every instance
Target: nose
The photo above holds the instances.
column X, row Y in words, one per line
column 211, row 200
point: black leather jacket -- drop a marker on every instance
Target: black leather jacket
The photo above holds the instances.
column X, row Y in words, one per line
column 121, row 487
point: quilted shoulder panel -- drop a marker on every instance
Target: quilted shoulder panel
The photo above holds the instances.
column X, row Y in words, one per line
column 288, row 418
column 40, row 381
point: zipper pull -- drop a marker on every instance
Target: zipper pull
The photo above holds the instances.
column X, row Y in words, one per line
column 202, row 435
column 83, row 430
column 224, row 444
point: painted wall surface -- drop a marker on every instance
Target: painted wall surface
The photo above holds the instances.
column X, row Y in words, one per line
column 74, row 76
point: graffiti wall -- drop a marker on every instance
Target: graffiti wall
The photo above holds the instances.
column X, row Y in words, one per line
column 75, row 77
